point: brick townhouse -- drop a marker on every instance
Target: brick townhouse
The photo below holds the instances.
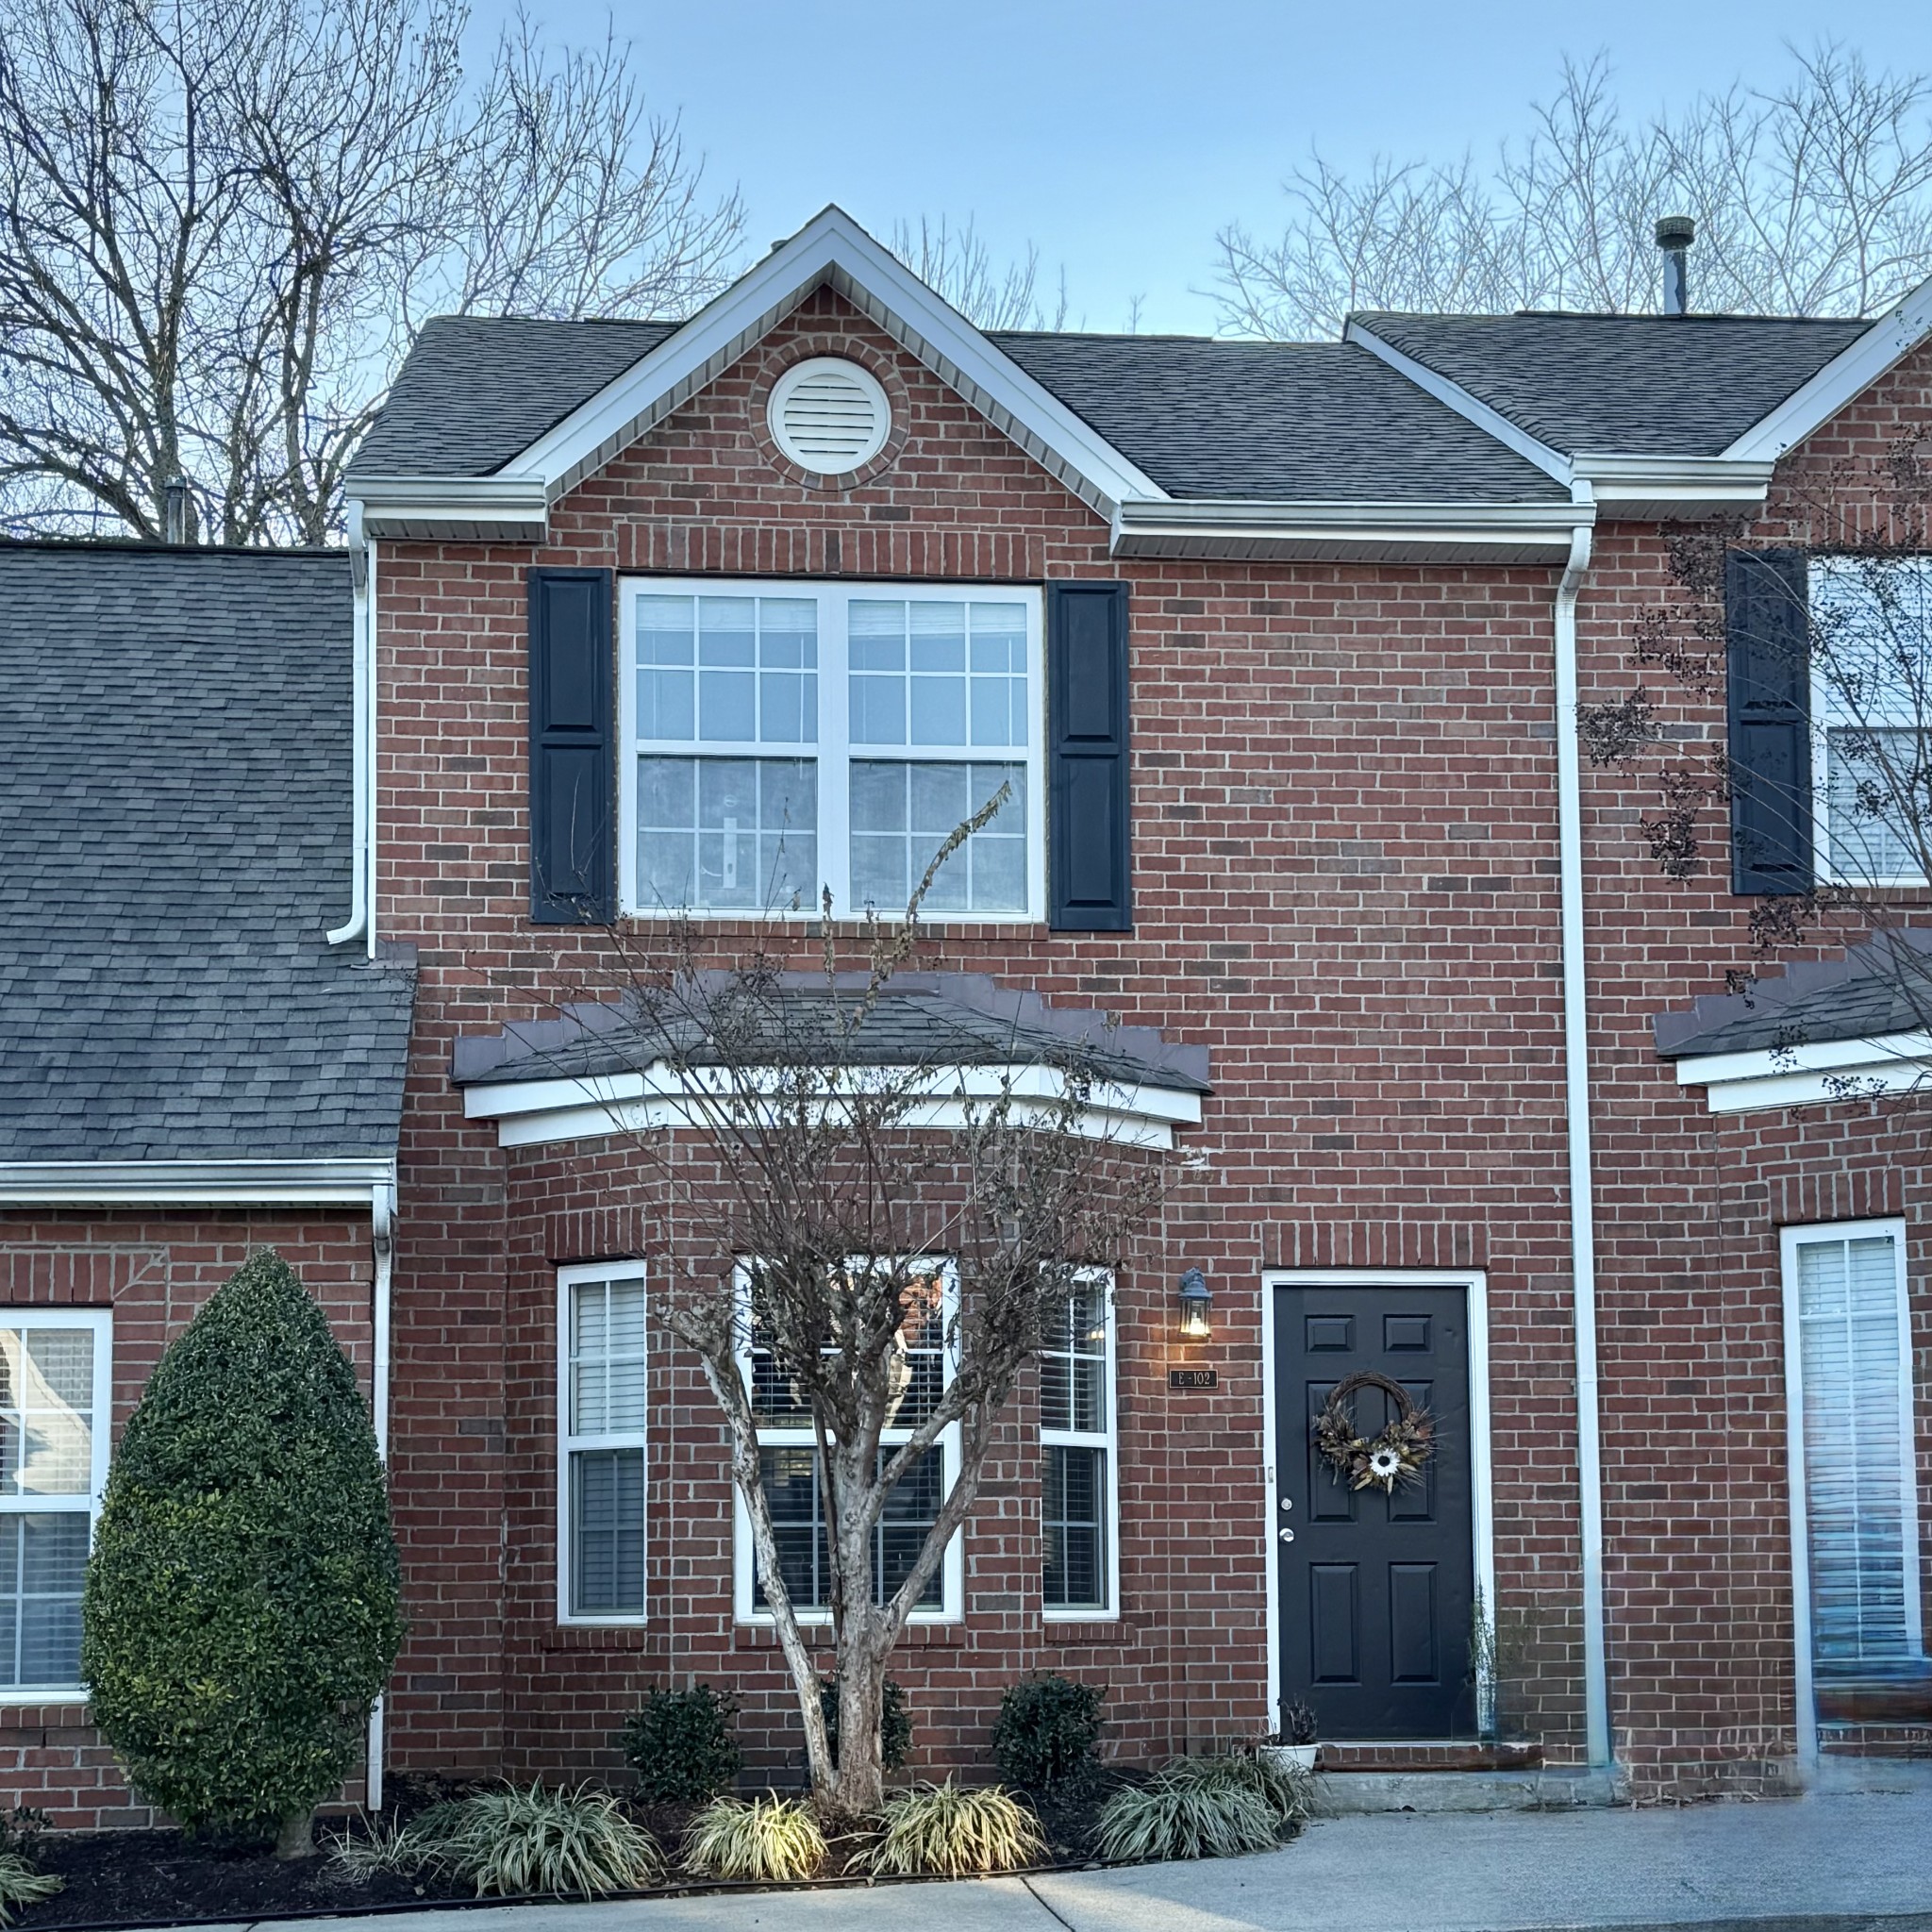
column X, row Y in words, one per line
column 1279, row 647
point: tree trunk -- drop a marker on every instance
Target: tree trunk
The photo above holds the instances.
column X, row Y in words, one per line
column 296, row 1837
column 858, row 1783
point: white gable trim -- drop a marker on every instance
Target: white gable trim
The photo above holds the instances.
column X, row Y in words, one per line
column 832, row 250
column 1846, row 377
column 1809, row 1073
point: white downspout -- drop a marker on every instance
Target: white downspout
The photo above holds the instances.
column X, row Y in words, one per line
column 359, row 925
column 382, row 1208
column 1596, row 1685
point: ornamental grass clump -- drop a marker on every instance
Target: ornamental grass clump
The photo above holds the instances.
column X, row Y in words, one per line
column 1182, row 1813
column 242, row 1608
column 680, row 1745
column 21, row 1885
column 942, row 1831
column 521, row 1840
column 770, row 1840
column 1285, row 1789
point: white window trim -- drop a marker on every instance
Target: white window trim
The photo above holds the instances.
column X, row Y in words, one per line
column 1790, row 1240
column 1824, row 719
column 834, row 745
column 101, row 1321
column 744, row 1558
column 1108, row 1441
column 567, row 1278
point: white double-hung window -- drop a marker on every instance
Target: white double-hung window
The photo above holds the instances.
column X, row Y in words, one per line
column 1849, row 1372
column 603, row 1398
column 784, row 738
column 1079, row 1508
column 54, row 1391
column 794, row 1479
column 1871, row 644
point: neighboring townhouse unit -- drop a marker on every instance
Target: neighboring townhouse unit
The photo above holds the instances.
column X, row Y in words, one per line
column 1280, row 648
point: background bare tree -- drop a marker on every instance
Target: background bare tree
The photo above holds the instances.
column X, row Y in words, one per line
column 955, row 262
column 1813, row 198
column 223, row 223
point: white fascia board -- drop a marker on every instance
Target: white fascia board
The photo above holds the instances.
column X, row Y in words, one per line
column 508, row 507
column 1486, row 416
column 1809, row 1072
column 1655, row 489
column 833, row 250
column 194, row 1183
column 1846, row 377
column 1376, row 532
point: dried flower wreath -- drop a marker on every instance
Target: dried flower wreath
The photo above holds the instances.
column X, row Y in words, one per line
column 1396, row 1456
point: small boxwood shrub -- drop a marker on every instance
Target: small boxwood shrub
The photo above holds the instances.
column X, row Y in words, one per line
column 680, row 1745
column 1047, row 1735
column 895, row 1723
column 243, row 1607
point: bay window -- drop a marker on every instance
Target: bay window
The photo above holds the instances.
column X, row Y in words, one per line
column 781, row 738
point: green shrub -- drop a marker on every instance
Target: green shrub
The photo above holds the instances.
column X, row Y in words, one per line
column 774, row 1840
column 1285, row 1789
column 1186, row 1812
column 680, row 1745
column 21, row 1830
column 942, row 1831
column 21, row 1885
column 242, row 1608
column 1046, row 1736
column 895, row 1723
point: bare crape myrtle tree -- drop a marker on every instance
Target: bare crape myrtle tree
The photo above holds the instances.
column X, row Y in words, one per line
column 853, row 1248
column 1821, row 646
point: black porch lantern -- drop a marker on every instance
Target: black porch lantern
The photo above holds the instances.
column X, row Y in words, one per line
column 1196, row 1302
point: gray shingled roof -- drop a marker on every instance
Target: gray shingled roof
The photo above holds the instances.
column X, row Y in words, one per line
column 477, row 390
column 1883, row 986
column 175, row 816
column 921, row 1019
column 1635, row 385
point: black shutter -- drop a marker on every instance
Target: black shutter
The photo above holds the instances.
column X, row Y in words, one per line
column 1768, row 684
column 573, row 758
column 1087, row 874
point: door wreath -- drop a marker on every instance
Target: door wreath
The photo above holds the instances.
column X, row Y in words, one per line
column 1396, row 1456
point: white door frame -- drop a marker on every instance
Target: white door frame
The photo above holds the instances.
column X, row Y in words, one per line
column 1474, row 1285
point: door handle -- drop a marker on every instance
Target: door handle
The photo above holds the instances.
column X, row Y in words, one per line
column 1287, row 1534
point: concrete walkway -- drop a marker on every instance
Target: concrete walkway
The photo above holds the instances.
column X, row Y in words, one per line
column 1845, row 1863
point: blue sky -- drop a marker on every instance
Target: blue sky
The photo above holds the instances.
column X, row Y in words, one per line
column 1120, row 137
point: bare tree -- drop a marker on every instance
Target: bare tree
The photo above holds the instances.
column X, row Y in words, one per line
column 852, row 1244
column 1829, row 627
column 1814, row 198
column 956, row 263
column 223, row 224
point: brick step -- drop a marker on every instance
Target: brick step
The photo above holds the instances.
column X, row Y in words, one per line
column 1427, row 1754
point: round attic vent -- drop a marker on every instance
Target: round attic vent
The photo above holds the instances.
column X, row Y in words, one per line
column 830, row 415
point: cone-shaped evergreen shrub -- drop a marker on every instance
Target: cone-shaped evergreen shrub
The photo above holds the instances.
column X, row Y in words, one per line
column 243, row 1605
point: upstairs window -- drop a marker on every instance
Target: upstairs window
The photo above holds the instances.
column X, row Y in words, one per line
column 783, row 738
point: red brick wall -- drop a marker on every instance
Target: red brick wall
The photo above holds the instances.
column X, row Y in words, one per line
column 154, row 1268
column 1345, row 861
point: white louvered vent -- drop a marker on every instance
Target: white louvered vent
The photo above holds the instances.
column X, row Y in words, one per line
column 830, row 415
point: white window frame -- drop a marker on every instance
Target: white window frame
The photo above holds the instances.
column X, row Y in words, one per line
column 834, row 749
column 744, row 1557
column 569, row 1278
column 1790, row 1240
column 1824, row 719
column 101, row 1321
column 1107, row 1440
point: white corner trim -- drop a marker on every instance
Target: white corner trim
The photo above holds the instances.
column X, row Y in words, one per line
column 833, row 250
column 1471, row 409
column 1852, row 370
column 194, row 1183
column 540, row 1114
column 1384, row 532
column 1809, row 1074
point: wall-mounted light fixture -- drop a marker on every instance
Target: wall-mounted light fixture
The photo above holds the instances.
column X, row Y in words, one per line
column 1197, row 1301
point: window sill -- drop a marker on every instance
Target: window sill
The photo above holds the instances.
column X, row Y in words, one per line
column 763, row 1635
column 1003, row 926
column 1090, row 1627
column 597, row 1637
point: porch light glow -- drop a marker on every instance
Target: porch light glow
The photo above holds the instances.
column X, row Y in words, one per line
column 1197, row 1300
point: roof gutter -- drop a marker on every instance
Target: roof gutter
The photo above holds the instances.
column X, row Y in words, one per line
column 194, row 1183
column 1596, row 1697
column 453, row 509
column 1538, row 533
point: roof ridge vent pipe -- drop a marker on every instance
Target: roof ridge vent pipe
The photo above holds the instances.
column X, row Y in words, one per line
column 1674, row 235
column 174, row 509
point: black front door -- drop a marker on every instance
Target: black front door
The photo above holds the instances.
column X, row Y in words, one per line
column 1376, row 1589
